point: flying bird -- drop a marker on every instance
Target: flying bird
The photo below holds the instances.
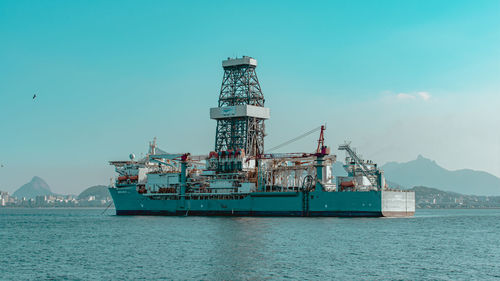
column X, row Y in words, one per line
column 34, row 96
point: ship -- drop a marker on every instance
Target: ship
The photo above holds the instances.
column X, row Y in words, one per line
column 240, row 178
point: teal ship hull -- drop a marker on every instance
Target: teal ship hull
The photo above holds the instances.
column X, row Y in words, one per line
column 128, row 201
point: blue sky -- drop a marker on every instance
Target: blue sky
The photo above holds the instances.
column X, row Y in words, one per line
column 397, row 78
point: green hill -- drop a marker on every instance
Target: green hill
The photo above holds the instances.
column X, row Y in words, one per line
column 99, row 191
column 427, row 197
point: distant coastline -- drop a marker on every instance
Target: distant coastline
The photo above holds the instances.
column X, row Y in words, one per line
column 98, row 197
column 112, row 208
column 48, row 202
column 37, row 194
column 433, row 198
column 60, row 208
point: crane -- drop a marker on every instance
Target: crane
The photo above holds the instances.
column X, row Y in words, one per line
column 367, row 172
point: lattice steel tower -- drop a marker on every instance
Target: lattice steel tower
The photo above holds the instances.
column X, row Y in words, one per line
column 241, row 113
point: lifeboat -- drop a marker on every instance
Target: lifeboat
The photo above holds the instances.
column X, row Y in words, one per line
column 122, row 178
column 347, row 184
column 133, row 178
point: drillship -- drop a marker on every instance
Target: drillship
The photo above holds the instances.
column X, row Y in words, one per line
column 239, row 179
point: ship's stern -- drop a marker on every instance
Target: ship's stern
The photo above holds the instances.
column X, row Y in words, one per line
column 398, row 203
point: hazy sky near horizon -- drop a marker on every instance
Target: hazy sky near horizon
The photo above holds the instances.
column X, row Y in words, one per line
column 397, row 78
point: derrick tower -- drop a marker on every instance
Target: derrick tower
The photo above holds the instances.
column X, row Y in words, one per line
column 240, row 113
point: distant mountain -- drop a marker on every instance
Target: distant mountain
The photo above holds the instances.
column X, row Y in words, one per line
column 99, row 191
column 425, row 172
column 36, row 187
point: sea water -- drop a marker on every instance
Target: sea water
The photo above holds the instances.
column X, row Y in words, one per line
column 85, row 244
